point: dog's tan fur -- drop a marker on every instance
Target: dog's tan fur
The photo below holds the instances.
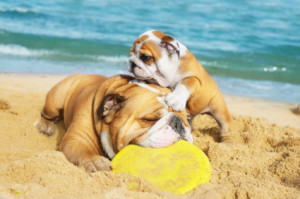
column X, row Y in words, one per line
column 91, row 105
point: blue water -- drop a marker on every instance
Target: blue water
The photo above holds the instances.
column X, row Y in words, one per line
column 251, row 48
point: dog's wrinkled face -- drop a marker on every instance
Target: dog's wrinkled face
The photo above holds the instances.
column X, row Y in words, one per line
column 155, row 57
column 139, row 115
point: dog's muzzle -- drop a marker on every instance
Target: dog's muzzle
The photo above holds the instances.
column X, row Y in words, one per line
column 131, row 67
column 166, row 131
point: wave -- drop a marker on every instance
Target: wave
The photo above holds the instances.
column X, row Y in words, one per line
column 71, row 45
column 113, row 59
column 274, row 63
column 24, row 10
column 21, row 51
column 215, row 45
column 272, row 90
column 105, row 54
column 17, row 50
column 18, row 10
column 274, row 69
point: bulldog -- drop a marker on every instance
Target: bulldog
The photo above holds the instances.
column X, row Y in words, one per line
column 159, row 58
column 103, row 115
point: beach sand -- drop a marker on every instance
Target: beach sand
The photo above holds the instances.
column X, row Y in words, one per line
column 262, row 162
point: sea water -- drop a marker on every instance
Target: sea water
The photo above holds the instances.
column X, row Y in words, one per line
column 251, row 48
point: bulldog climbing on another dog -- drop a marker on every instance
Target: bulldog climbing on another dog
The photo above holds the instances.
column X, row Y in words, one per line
column 160, row 59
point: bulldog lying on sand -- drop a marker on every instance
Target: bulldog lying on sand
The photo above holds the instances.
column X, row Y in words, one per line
column 102, row 115
column 159, row 58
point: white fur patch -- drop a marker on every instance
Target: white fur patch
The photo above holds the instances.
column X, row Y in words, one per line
column 188, row 135
column 152, row 37
column 160, row 134
column 183, row 49
column 163, row 121
column 138, row 48
column 48, row 128
column 106, row 143
column 178, row 98
column 168, row 68
column 141, row 84
column 155, row 39
column 148, row 71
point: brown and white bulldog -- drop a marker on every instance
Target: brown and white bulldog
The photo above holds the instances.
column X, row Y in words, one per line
column 159, row 58
column 102, row 115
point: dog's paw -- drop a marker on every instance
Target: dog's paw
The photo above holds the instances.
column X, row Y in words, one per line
column 175, row 101
column 226, row 139
column 178, row 98
column 96, row 163
column 45, row 127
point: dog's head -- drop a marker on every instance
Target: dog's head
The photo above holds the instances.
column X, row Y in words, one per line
column 155, row 57
column 137, row 114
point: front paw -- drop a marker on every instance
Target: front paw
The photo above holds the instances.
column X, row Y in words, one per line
column 178, row 98
column 96, row 163
column 226, row 139
column 45, row 127
column 176, row 101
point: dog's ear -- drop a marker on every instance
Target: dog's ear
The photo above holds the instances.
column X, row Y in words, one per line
column 170, row 44
column 136, row 42
column 132, row 50
column 108, row 107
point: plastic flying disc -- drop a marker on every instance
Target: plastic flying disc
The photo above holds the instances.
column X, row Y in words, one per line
column 179, row 167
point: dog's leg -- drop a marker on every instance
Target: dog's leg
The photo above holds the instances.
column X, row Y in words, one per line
column 52, row 110
column 220, row 112
column 178, row 98
column 45, row 126
column 50, row 115
column 81, row 147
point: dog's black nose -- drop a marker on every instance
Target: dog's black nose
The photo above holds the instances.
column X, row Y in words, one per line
column 132, row 65
column 177, row 126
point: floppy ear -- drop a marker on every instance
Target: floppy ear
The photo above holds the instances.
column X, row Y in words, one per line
column 108, row 107
column 170, row 44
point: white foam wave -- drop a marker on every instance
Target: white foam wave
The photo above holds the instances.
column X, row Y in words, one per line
column 17, row 9
column 17, row 50
column 274, row 69
column 113, row 59
column 215, row 45
column 213, row 64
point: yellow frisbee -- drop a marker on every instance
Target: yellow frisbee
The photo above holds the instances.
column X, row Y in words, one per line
column 178, row 168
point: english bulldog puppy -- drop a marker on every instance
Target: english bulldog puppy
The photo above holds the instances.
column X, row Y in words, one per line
column 103, row 115
column 159, row 58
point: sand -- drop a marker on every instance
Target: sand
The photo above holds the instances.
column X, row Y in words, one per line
column 262, row 162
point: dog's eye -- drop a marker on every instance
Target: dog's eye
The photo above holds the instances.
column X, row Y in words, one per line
column 149, row 119
column 145, row 57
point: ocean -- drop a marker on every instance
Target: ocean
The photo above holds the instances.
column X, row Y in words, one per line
column 251, row 48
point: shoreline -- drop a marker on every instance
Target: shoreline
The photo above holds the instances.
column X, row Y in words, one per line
column 67, row 74
column 262, row 162
column 280, row 113
column 241, row 105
